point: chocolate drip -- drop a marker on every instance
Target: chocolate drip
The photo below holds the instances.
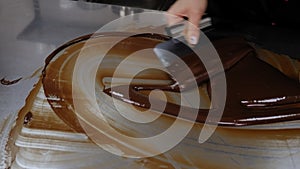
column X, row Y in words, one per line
column 3, row 81
column 28, row 117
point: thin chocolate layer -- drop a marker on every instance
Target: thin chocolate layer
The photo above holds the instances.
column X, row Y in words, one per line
column 59, row 67
column 248, row 78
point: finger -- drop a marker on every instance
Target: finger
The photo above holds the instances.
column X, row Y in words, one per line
column 193, row 32
column 176, row 13
column 173, row 19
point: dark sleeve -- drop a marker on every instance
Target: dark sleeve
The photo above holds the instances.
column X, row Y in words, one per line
column 265, row 11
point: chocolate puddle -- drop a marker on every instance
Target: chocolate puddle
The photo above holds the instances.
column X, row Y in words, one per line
column 248, row 79
column 238, row 111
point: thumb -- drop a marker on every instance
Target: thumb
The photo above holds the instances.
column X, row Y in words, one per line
column 175, row 13
column 193, row 32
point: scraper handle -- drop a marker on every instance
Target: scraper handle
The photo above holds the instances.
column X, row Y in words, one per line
column 176, row 30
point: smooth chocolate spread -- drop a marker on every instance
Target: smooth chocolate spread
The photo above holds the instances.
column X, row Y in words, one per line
column 257, row 93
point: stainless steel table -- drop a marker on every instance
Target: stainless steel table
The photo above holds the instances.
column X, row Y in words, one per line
column 31, row 29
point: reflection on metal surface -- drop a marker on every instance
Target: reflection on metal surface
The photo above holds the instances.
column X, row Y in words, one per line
column 65, row 4
column 53, row 28
column 144, row 4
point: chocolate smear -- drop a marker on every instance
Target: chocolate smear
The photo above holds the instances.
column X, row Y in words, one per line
column 9, row 82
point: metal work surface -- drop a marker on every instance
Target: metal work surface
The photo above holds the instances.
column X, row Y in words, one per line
column 31, row 29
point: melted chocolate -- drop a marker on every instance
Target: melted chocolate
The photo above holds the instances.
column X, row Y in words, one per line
column 3, row 81
column 277, row 102
column 28, row 118
column 59, row 91
column 248, row 79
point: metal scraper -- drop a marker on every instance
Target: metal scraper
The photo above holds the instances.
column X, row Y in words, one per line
column 179, row 58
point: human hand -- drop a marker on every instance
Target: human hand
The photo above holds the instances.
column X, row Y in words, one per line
column 193, row 10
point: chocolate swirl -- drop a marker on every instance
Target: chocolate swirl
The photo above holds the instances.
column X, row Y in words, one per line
column 248, row 78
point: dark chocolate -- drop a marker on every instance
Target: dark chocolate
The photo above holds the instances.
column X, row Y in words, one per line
column 249, row 79
column 3, row 81
column 27, row 118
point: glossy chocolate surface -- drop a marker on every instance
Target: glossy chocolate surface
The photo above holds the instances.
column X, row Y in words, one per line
column 249, row 80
